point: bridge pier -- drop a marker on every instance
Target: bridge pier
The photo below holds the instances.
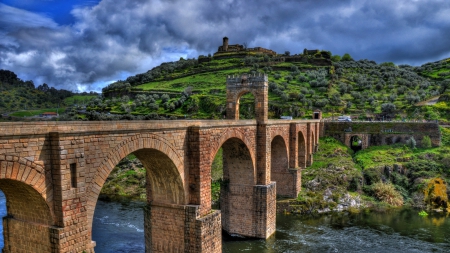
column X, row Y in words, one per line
column 264, row 202
column 24, row 236
column 179, row 228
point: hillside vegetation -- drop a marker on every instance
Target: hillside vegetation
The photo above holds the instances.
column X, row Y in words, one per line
column 21, row 99
column 364, row 89
column 377, row 177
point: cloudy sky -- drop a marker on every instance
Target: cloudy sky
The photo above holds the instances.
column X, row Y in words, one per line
column 82, row 45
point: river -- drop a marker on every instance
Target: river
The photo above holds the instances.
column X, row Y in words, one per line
column 118, row 227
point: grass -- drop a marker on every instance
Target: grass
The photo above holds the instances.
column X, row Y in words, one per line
column 202, row 82
column 30, row 113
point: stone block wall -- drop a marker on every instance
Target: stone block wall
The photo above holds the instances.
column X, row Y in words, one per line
column 173, row 228
column 165, row 232
column 264, row 202
column 26, row 237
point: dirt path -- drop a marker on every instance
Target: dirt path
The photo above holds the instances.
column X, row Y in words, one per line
column 430, row 101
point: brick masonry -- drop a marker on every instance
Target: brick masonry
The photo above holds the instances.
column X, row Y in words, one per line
column 382, row 133
column 52, row 174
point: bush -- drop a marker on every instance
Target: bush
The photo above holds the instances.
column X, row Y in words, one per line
column 426, row 142
column 387, row 193
column 388, row 108
column 411, row 142
column 165, row 98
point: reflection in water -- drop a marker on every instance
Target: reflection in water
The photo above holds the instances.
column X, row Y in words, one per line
column 2, row 214
column 394, row 231
column 118, row 227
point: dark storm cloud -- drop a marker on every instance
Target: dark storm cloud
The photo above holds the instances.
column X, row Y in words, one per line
column 118, row 38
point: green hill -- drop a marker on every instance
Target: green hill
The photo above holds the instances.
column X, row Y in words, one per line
column 195, row 88
column 19, row 99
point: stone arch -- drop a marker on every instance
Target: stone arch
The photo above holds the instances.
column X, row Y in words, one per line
column 363, row 137
column 238, row 164
column 238, row 100
column 30, row 174
column 228, row 134
column 281, row 133
column 279, row 163
column 356, row 143
column 279, row 155
column 143, row 146
column 236, row 194
column 302, row 151
column 29, row 206
column 24, row 203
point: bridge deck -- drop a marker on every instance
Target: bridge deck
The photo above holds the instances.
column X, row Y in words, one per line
column 43, row 127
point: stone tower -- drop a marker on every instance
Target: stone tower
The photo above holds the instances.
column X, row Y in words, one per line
column 225, row 44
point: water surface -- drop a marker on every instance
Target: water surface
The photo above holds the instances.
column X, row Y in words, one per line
column 118, row 227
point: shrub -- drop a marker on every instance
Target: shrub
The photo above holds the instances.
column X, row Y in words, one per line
column 387, row 193
column 165, row 98
column 388, row 108
column 426, row 142
column 411, row 142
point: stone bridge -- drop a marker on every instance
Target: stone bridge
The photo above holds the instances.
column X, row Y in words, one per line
column 52, row 174
column 381, row 133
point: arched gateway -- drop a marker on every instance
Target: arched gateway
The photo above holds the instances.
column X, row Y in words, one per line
column 53, row 172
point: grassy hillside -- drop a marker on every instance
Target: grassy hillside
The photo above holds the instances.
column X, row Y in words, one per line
column 364, row 89
column 20, row 99
column 380, row 176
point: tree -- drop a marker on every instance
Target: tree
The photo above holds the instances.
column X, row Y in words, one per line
column 347, row 57
column 335, row 99
column 336, row 58
column 288, row 78
column 388, row 108
column 411, row 142
column 165, row 98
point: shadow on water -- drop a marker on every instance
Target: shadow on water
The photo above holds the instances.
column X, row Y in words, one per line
column 118, row 227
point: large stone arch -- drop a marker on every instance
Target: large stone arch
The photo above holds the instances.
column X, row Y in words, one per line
column 142, row 146
column 279, row 166
column 228, row 134
column 29, row 173
column 236, row 195
column 28, row 225
column 302, row 150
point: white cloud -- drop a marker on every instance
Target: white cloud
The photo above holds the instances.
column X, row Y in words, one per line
column 117, row 38
column 13, row 18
